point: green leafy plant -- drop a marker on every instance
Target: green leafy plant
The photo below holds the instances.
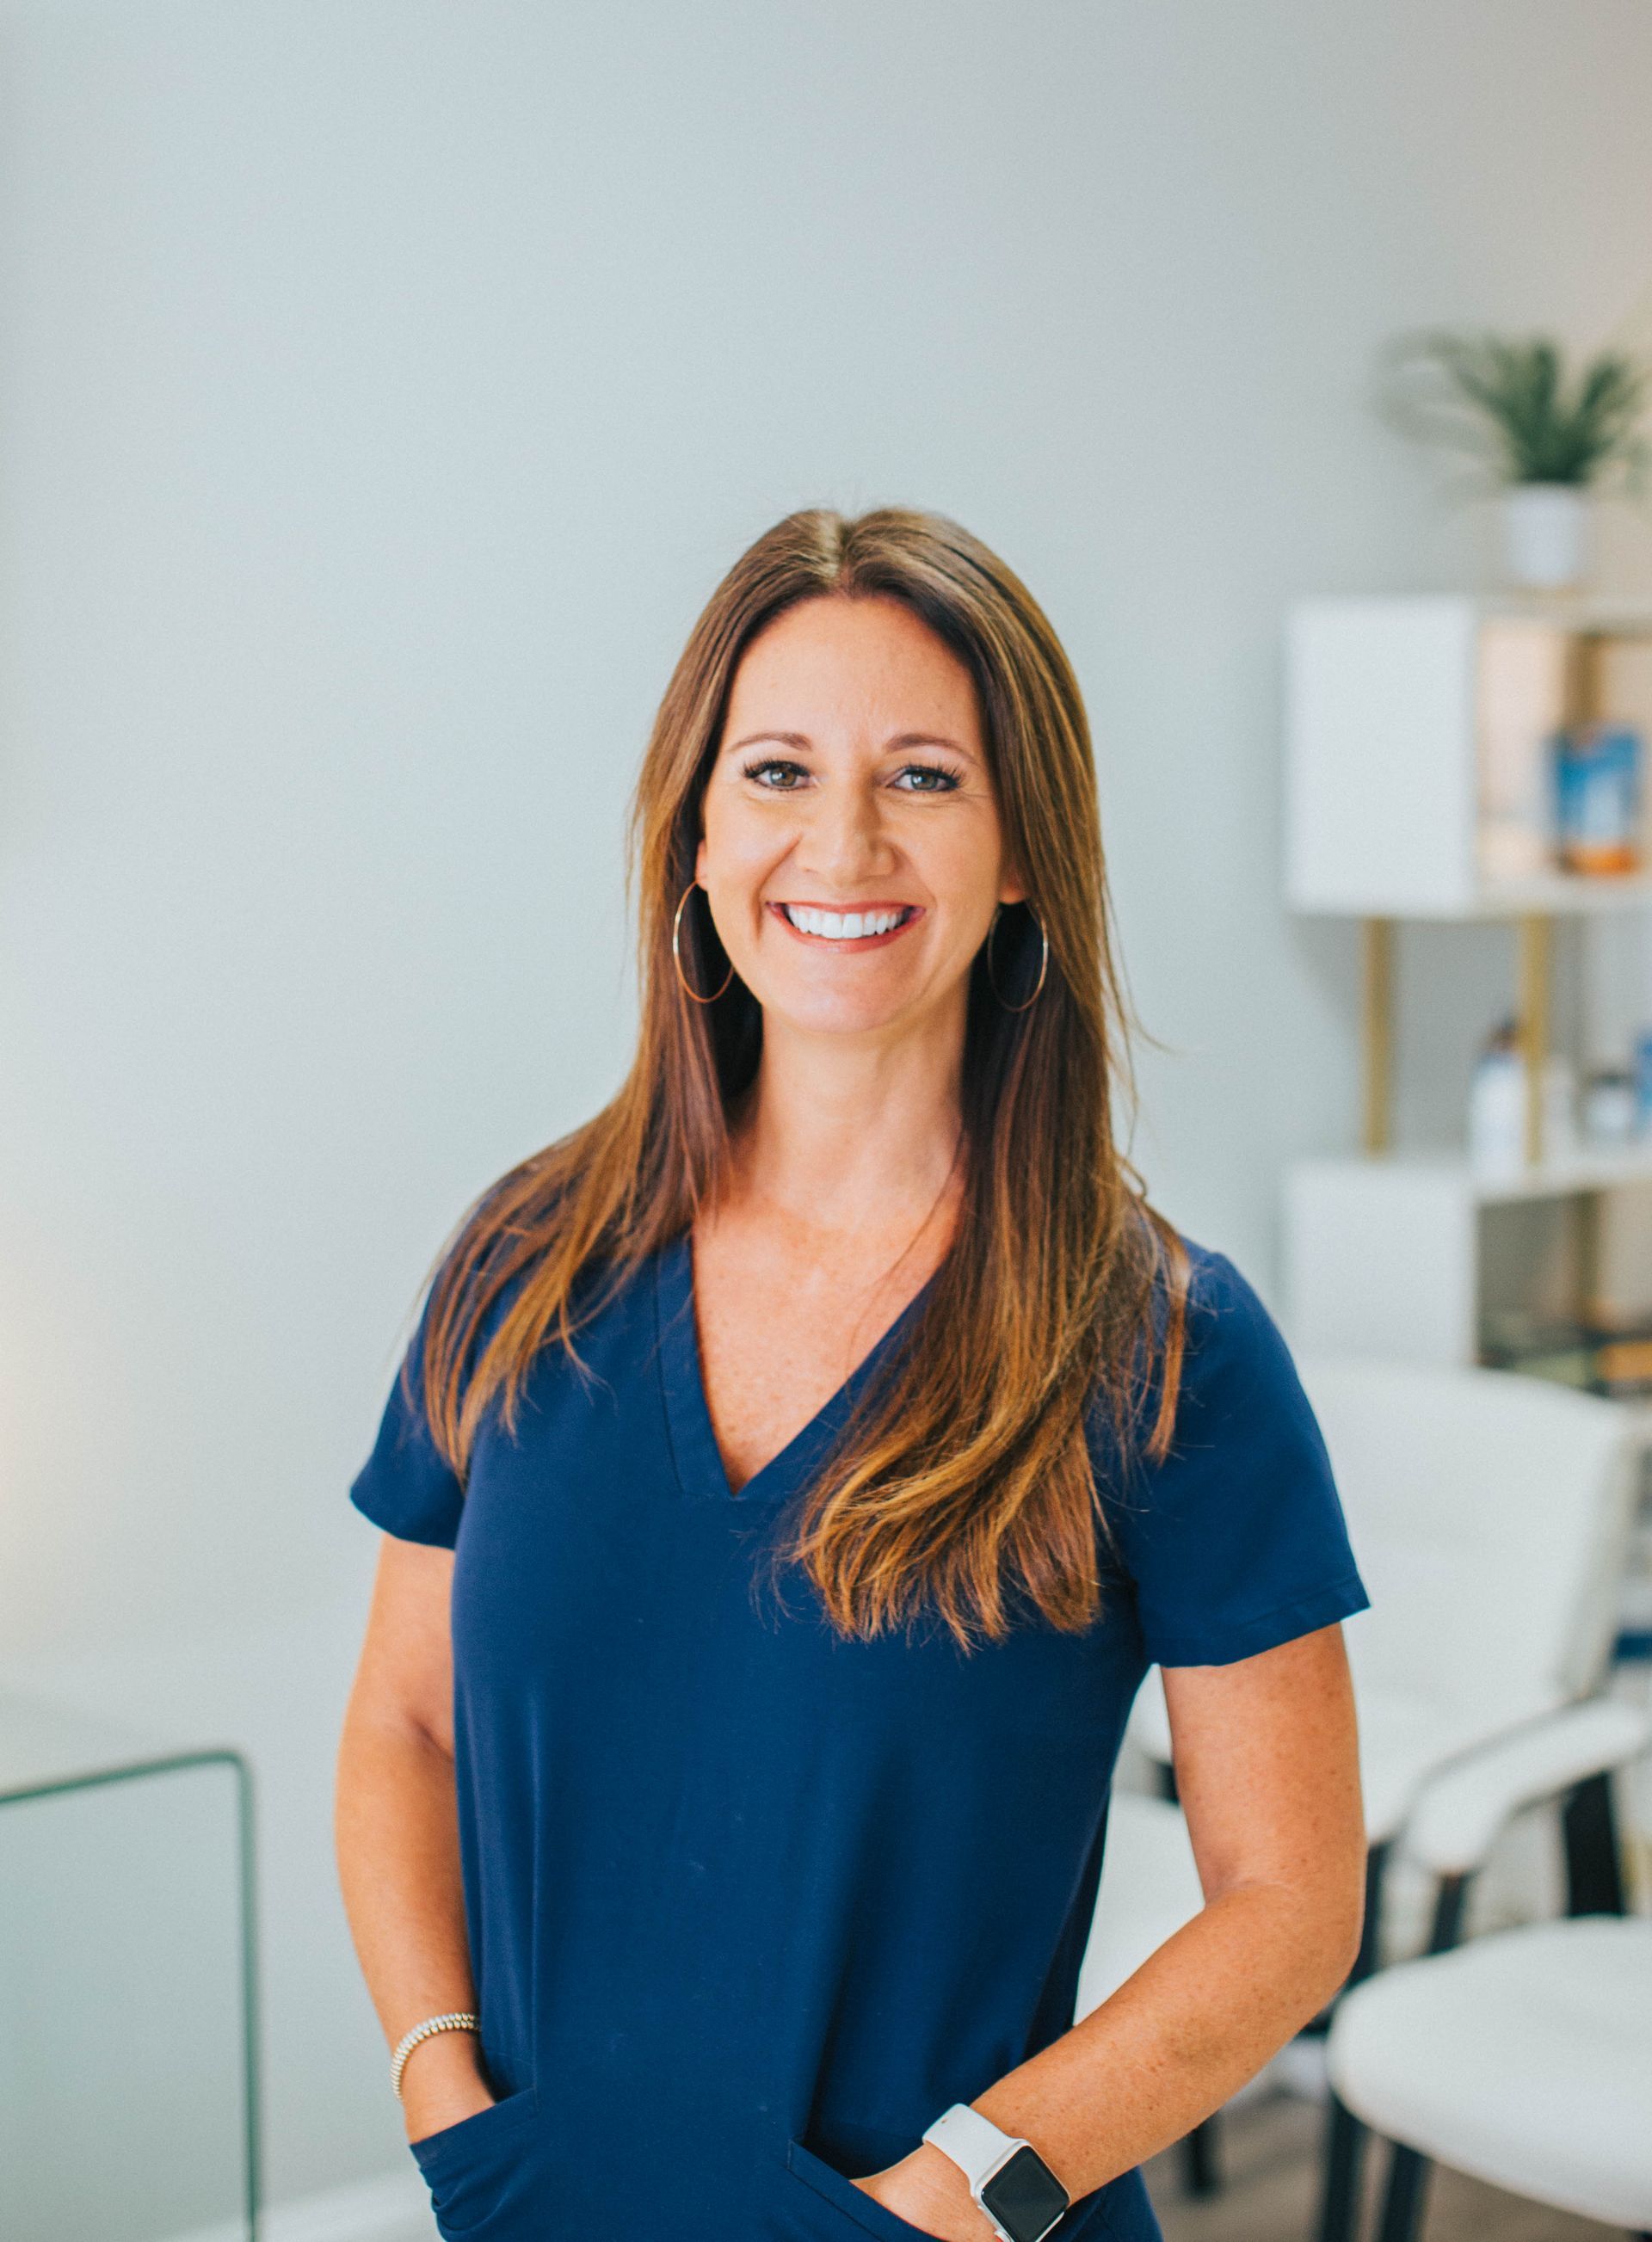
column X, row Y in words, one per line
column 1507, row 405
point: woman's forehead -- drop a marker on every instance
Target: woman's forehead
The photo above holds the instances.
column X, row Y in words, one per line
column 840, row 665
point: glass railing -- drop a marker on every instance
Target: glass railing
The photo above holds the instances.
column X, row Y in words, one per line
column 129, row 2103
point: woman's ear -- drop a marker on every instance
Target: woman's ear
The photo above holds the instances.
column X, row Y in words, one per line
column 700, row 861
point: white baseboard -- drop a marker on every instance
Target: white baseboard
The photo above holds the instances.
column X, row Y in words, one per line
column 394, row 2209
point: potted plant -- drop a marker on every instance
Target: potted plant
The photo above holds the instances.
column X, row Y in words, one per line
column 1507, row 404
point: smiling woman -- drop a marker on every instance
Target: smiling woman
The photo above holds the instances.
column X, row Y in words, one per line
column 846, row 835
column 795, row 1472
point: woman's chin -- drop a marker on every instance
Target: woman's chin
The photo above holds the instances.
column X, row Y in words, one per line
column 845, row 1012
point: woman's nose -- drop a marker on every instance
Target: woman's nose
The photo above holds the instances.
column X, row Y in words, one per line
column 846, row 829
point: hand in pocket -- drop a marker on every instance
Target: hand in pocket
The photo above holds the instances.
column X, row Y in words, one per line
column 442, row 2083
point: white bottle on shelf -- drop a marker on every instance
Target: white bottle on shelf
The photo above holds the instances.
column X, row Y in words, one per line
column 1497, row 1106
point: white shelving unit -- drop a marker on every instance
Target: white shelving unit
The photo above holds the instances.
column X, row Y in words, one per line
column 1389, row 704
column 1385, row 1253
column 1400, row 717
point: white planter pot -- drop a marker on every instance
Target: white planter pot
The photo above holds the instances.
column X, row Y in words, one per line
column 1545, row 534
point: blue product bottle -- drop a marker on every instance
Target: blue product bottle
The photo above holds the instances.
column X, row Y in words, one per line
column 1597, row 798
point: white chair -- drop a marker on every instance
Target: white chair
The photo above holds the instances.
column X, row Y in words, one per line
column 1525, row 2056
column 1490, row 1516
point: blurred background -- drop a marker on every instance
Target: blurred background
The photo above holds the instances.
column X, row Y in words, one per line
column 383, row 388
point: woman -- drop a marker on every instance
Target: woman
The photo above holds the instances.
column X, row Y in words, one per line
column 813, row 1451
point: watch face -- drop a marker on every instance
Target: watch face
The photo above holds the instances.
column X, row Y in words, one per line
column 1024, row 2196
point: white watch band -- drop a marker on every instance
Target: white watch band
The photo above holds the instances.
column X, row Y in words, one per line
column 974, row 2143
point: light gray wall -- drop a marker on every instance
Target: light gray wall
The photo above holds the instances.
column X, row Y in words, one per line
column 383, row 386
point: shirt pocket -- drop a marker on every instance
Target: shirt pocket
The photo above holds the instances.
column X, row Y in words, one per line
column 1087, row 2219
column 481, row 2171
column 848, row 2206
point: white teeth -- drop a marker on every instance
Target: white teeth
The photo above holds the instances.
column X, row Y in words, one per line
column 840, row 926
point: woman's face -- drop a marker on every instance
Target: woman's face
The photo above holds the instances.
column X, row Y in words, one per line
column 852, row 852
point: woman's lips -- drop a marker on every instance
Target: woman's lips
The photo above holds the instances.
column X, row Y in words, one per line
column 854, row 944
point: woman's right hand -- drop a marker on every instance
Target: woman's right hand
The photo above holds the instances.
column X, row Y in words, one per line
column 441, row 2082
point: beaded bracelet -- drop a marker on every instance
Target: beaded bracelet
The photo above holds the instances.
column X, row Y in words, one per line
column 455, row 2020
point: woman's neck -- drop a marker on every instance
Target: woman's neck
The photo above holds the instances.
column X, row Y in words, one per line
column 865, row 1148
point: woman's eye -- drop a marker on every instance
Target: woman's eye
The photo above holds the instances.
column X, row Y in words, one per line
column 781, row 775
column 775, row 763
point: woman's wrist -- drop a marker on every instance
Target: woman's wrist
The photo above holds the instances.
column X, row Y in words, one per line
column 931, row 2192
column 443, row 2081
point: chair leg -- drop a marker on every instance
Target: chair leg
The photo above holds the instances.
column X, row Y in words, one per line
column 1201, row 2165
column 1402, row 2205
column 1375, row 1871
column 1345, row 2137
column 1594, row 1871
column 1451, row 1905
column 1343, row 2166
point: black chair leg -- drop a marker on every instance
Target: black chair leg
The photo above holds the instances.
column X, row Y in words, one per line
column 1451, row 1905
column 1402, row 2206
column 1345, row 2137
column 1376, row 1868
column 1201, row 2166
column 1594, row 1870
column 1345, row 2140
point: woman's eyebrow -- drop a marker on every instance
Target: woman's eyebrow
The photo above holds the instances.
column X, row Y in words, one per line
column 900, row 739
column 931, row 740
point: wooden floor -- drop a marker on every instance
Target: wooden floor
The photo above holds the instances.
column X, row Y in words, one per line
column 1269, row 2151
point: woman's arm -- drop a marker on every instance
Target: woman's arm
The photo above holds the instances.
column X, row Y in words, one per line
column 1267, row 1768
column 396, row 1831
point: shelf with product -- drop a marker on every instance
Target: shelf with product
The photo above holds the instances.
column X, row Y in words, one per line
column 1420, row 784
column 1440, row 755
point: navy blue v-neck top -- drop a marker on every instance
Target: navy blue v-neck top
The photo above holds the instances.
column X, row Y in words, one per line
column 748, row 1905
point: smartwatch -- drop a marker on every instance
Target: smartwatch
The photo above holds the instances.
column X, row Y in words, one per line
column 1007, row 2177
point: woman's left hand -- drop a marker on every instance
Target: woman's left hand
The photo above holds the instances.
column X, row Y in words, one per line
column 929, row 2191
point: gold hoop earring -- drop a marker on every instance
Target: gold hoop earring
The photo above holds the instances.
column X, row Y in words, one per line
column 676, row 954
column 1044, row 963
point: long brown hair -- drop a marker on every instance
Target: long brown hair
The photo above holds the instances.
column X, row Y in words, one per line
column 964, row 1478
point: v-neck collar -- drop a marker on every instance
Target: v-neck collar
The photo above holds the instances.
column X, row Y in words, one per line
column 698, row 1459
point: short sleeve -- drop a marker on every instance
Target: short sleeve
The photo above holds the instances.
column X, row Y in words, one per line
column 1236, row 1541
column 405, row 1486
